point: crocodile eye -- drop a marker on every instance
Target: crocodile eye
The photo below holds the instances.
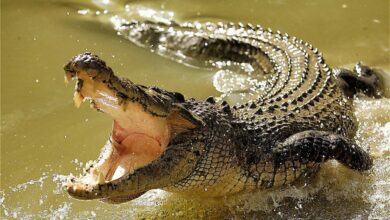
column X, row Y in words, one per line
column 179, row 97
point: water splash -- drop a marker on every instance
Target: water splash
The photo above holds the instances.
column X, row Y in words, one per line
column 23, row 186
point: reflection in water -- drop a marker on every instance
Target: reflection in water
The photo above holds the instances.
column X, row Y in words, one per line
column 38, row 131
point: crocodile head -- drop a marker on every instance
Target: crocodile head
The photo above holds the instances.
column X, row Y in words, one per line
column 146, row 149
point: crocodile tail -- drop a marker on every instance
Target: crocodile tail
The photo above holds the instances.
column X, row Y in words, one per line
column 193, row 44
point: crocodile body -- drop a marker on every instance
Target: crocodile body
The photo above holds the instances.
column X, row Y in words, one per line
column 301, row 118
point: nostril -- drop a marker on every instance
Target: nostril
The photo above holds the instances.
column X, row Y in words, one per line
column 69, row 69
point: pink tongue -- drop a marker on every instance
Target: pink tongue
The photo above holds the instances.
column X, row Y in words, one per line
column 136, row 150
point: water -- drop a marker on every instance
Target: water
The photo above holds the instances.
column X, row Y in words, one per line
column 43, row 137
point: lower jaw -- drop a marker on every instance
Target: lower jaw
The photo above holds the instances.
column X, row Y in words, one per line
column 121, row 199
column 110, row 167
column 118, row 160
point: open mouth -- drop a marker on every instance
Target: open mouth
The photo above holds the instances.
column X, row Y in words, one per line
column 136, row 158
column 137, row 137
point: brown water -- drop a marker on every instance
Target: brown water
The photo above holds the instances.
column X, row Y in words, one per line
column 43, row 137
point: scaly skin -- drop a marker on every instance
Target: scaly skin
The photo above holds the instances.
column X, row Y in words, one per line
column 302, row 118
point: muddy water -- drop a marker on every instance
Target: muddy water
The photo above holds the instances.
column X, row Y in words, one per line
column 43, row 137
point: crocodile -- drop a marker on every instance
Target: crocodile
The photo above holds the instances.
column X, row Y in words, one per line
column 160, row 139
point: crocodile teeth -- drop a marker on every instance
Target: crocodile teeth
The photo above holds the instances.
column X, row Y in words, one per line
column 89, row 164
column 101, row 178
column 77, row 99
column 67, row 78
column 120, row 171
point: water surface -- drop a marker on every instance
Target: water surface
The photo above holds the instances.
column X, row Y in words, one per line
column 43, row 136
